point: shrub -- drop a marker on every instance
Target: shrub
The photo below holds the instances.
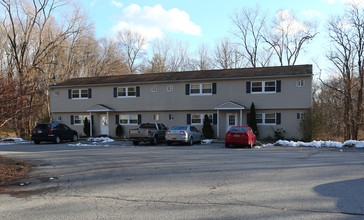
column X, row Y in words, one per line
column 253, row 119
column 86, row 127
column 279, row 134
column 119, row 131
column 207, row 130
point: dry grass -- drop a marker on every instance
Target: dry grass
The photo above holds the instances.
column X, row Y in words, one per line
column 11, row 170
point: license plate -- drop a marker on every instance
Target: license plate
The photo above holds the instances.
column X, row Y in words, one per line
column 39, row 132
column 236, row 135
column 174, row 139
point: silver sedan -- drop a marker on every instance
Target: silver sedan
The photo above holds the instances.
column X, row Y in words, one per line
column 183, row 134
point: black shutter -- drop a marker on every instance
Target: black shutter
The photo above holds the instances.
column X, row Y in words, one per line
column 188, row 119
column 89, row 93
column 115, row 92
column 92, row 119
column 72, row 120
column 117, row 119
column 187, row 89
column 248, row 87
column 214, row 88
column 248, row 119
column 278, row 117
column 214, row 121
column 278, row 85
column 70, row 94
column 139, row 119
column 137, row 91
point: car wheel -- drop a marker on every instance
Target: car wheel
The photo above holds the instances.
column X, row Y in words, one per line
column 75, row 138
column 227, row 145
column 36, row 142
column 190, row 142
column 58, row 140
column 169, row 143
column 135, row 142
column 154, row 140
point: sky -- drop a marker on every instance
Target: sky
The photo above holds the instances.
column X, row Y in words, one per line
column 206, row 21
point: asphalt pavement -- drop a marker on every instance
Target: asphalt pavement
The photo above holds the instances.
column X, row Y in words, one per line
column 208, row 181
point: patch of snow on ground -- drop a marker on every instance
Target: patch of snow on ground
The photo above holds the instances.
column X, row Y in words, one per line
column 79, row 144
column 206, row 141
column 100, row 139
column 12, row 140
column 318, row 144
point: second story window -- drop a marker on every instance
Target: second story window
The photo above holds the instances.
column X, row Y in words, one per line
column 272, row 86
column 169, row 88
column 126, row 92
column 300, row 83
column 79, row 93
column 201, row 89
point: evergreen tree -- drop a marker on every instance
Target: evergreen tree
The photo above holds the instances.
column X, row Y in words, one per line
column 86, row 127
column 253, row 119
column 119, row 131
column 207, row 130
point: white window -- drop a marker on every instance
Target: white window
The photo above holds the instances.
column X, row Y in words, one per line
column 201, row 89
column 171, row 117
column 128, row 119
column 126, row 92
column 56, row 93
column 300, row 83
column 59, row 118
column 169, row 88
column 156, row 117
column 79, row 93
column 154, row 88
column 259, row 118
column 266, row 118
column 196, row 119
column 300, row 116
column 270, row 118
column 79, row 119
column 263, row 87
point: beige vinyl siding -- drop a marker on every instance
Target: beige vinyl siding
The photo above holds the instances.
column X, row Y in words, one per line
column 227, row 90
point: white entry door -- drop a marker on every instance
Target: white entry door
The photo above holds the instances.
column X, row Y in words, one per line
column 231, row 120
column 104, row 125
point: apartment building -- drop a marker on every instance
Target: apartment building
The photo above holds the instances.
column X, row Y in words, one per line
column 281, row 96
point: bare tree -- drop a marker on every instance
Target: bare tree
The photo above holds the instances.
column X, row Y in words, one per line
column 347, row 56
column 227, row 55
column 203, row 59
column 132, row 45
column 250, row 27
column 31, row 36
column 288, row 37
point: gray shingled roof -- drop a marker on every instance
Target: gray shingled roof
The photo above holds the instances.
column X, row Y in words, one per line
column 190, row 76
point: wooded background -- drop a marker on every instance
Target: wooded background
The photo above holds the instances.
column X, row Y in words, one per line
column 43, row 42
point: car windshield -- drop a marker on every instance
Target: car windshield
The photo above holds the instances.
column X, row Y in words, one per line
column 179, row 128
column 238, row 129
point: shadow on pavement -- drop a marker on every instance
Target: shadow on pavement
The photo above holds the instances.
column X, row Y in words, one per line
column 350, row 195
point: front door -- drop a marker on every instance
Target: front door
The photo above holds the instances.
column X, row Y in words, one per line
column 104, row 125
column 231, row 120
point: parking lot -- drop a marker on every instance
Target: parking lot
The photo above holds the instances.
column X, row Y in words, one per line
column 121, row 181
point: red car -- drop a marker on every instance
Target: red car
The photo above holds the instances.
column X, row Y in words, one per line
column 240, row 135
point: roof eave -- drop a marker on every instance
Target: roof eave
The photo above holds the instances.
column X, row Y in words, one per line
column 184, row 80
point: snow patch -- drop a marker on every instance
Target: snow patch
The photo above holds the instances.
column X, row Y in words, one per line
column 206, row 141
column 100, row 139
column 12, row 140
column 318, row 144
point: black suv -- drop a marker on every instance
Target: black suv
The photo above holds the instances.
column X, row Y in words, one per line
column 53, row 132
